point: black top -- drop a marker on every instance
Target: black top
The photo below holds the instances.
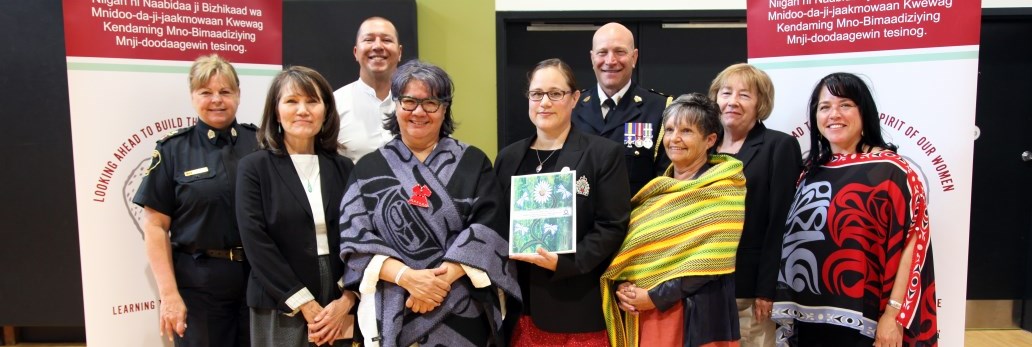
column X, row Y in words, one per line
column 530, row 162
column 568, row 300
column 277, row 225
column 772, row 164
column 191, row 179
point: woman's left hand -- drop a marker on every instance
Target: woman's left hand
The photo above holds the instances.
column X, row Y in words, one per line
column 762, row 309
column 543, row 258
column 329, row 324
column 636, row 298
column 889, row 333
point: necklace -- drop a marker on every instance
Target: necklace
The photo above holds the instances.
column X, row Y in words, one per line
column 311, row 173
column 537, row 153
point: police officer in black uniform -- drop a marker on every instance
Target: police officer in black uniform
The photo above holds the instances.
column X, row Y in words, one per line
column 190, row 229
column 619, row 109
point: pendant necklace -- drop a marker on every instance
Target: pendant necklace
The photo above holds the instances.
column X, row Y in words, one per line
column 312, row 171
column 537, row 153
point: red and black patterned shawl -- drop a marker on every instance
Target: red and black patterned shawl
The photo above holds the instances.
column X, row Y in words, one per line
column 844, row 239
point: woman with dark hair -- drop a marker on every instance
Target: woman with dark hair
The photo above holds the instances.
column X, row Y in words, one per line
column 772, row 163
column 420, row 229
column 287, row 210
column 856, row 264
column 674, row 274
column 560, row 291
column 189, row 231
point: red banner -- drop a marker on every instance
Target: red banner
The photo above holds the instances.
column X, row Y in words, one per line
column 242, row 31
column 805, row 27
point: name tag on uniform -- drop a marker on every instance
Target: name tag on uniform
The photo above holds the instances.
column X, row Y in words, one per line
column 196, row 171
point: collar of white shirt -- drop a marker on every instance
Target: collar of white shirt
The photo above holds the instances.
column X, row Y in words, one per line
column 616, row 97
column 365, row 88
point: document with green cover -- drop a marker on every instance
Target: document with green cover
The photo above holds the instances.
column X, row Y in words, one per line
column 542, row 213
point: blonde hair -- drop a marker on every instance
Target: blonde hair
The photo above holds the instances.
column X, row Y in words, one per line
column 210, row 65
column 756, row 79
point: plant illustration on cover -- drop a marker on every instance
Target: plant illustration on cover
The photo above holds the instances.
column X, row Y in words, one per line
column 542, row 213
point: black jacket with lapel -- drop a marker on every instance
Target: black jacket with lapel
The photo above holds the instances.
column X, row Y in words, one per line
column 569, row 299
column 772, row 162
column 276, row 225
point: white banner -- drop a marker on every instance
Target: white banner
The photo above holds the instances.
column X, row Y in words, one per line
column 128, row 87
column 922, row 67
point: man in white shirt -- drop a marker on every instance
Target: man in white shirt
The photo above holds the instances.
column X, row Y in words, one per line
column 364, row 103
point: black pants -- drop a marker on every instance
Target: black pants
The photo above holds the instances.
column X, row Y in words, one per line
column 827, row 335
column 214, row 291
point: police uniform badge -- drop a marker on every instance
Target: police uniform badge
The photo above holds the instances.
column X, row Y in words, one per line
column 581, row 186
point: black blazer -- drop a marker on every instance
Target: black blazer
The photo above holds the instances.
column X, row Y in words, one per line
column 772, row 162
column 643, row 164
column 276, row 225
column 569, row 300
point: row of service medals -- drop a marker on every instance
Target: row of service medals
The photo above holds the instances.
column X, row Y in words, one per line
column 638, row 135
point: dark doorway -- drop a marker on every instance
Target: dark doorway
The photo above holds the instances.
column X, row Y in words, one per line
column 679, row 52
column 999, row 262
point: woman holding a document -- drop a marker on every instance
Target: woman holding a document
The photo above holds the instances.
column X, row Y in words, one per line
column 561, row 294
column 672, row 281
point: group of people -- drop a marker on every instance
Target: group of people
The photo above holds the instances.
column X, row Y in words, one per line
column 353, row 216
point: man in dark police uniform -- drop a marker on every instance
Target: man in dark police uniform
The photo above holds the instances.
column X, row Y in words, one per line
column 619, row 109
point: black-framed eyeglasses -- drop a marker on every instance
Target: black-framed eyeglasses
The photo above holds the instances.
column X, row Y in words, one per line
column 430, row 105
column 554, row 95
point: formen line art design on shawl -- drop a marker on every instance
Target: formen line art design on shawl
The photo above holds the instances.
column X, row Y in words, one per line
column 383, row 215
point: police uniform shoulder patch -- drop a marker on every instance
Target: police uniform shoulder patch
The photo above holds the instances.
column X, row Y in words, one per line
column 155, row 160
column 174, row 133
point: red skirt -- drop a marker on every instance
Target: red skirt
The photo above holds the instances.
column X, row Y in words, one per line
column 527, row 334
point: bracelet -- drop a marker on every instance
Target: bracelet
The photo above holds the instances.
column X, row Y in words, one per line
column 397, row 277
column 895, row 304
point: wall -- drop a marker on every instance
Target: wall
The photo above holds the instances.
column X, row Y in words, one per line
column 459, row 36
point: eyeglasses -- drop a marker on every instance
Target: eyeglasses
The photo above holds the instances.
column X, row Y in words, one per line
column 430, row 105
column 555, row 95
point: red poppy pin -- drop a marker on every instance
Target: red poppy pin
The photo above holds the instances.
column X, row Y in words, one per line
column 420, row 193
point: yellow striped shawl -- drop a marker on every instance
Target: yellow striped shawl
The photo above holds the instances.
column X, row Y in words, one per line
column 678, row 228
